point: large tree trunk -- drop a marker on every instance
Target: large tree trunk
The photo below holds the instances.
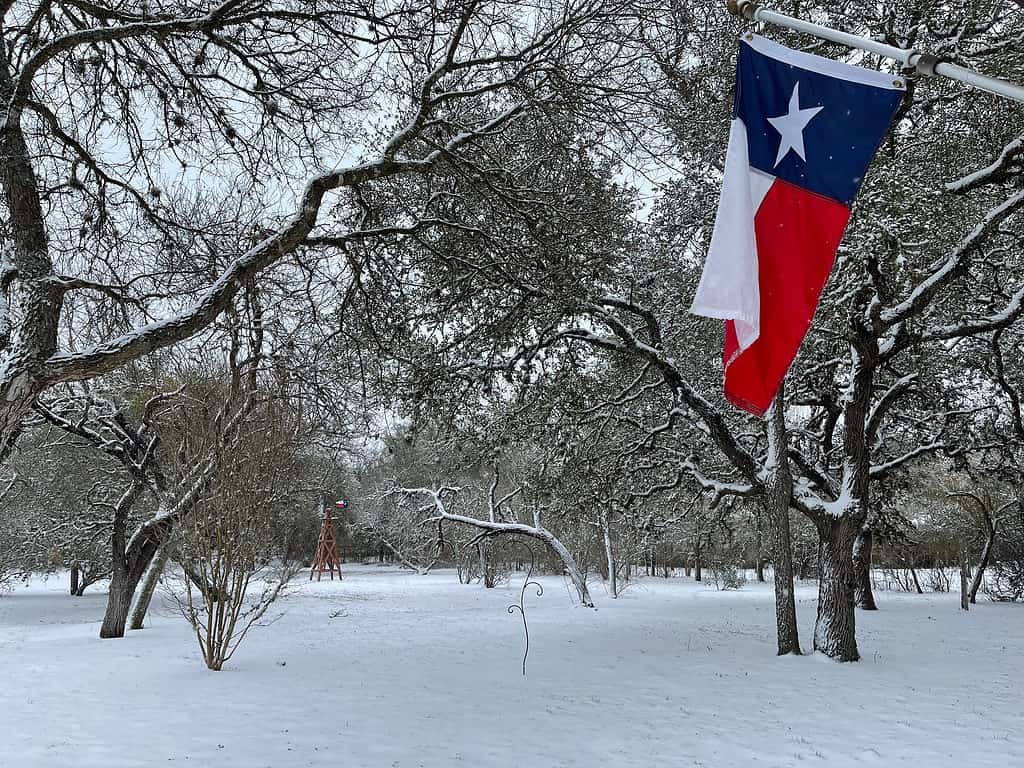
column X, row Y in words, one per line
column 75, row 573
column 40, row 299
column 153, row 573
column 862, row 545
column 779, row 490
column 835, row 629
column 119, row 600
column 122, row 578
column 122, row 589
column 129, row 561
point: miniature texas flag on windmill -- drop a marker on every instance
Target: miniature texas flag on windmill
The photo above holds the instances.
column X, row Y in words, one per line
column 803, row 133
column 326, row 558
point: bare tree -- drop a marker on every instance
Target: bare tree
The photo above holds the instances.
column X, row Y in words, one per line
column 269, row 94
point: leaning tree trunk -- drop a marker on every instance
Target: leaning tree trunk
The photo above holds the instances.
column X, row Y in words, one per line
column 122, row 589
column 864, row 595
column 569, row 563
column 917, row 584
column 986, row 555
column 153, row 573
column 536, row 531
column 22, row 376
column 835, row 629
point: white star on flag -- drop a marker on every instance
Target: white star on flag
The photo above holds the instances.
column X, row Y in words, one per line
column 791, row 126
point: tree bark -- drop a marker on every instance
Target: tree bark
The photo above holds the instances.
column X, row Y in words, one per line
column 964, row 567
column 75, row 591
column 145, row 597
column 122, row 580
column 40, row 300
column 917, row 584
column 486, row 570
column 778, row 492
column 759, row 547
column 986, row 554
column 119, row 600
column 609, row 554
column 835, row 629
column 129, row 561
column 862, row 546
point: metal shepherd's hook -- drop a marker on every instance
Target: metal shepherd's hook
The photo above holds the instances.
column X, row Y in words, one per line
column 521, row 605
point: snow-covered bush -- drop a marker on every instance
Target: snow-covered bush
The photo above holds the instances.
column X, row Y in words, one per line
column 727, row 575
column 939, row 579
column 1006, row 581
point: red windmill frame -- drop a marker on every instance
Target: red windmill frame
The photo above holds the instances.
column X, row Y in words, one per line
column 326, row 558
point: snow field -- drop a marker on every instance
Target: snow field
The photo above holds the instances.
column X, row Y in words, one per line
column 389, row 669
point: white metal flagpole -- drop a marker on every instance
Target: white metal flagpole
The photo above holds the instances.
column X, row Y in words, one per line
column 924, row 63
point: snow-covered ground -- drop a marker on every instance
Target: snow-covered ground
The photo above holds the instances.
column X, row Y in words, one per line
column 393, row 669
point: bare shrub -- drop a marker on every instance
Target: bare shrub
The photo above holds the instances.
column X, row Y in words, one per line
column 939, row 579
column 232, row 545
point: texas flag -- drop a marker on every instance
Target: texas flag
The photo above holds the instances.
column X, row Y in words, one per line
column 803, row 133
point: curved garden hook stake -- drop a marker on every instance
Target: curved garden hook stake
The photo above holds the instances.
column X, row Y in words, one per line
column 521, row 605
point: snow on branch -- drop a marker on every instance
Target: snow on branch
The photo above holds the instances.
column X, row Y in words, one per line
column 879, row 471
column 719, row 490
column 995, row 172
column 955, row 266
column 884, row 404
column 489, row 528
column 994, row 322
column 625, row 340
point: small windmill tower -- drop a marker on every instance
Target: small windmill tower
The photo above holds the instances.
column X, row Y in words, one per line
column 326, row 558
